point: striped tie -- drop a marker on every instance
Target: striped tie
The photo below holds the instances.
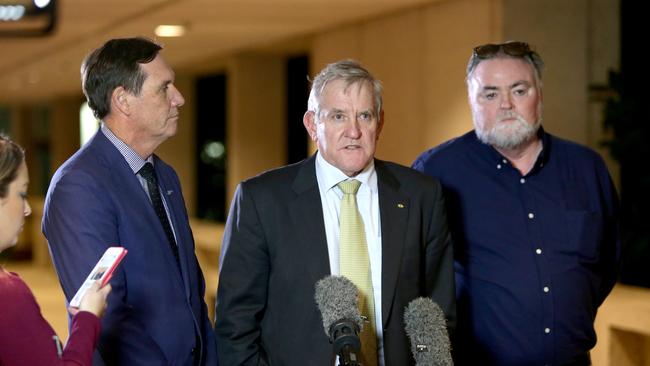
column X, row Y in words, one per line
column 355, row 265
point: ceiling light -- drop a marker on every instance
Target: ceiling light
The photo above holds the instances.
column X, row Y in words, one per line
column 25, row 18
column 41, row 3
column 168, row 30
column 11, row 12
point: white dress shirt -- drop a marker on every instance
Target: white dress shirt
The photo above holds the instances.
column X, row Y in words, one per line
column 328, row 177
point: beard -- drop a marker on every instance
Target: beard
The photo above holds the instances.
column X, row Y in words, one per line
column 510, row 135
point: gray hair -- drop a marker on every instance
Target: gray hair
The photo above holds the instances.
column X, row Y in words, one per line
column 349, row 71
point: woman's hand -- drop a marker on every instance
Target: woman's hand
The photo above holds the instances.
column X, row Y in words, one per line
column 94, row 300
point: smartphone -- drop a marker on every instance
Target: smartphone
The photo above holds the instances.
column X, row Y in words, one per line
column 103, row 272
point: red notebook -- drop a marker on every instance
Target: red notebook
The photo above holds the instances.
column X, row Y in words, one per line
column 103, row 272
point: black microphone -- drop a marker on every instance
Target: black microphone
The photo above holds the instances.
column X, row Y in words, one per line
column 336, row 297
column 426, row 326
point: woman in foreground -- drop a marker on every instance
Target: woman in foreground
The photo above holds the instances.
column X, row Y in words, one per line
column 26, row 338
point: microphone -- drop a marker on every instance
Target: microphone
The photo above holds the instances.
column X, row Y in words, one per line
column 426, row 326
column 336, row 297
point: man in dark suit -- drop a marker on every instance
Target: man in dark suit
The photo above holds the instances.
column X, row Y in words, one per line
column 282, row 236
column 115, row 192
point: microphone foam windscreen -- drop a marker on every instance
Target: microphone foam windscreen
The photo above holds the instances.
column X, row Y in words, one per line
column 336, row 297
column 426, row 326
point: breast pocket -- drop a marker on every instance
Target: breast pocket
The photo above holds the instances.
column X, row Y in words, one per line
column 585, row 233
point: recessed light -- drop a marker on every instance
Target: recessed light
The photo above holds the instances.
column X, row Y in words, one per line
column 41, row 3
column 170, row 30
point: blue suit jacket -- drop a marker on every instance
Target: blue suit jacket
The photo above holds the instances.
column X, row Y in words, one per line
column 155, row 315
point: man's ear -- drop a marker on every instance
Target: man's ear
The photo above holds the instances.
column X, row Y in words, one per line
column 380, row 123
column 120, row 101
column 309, row 120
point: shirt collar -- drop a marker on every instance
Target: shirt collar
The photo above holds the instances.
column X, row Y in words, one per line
column 496, row 157
column 132, row 158
column 331, row 175
column 545, row 154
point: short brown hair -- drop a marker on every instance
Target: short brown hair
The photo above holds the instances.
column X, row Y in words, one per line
column 116, row 63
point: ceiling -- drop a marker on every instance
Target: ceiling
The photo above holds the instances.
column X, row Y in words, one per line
column 37, row 69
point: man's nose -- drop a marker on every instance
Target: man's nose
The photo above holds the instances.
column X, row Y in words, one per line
column 506, row 102
column 353, row 130
column 177, row 97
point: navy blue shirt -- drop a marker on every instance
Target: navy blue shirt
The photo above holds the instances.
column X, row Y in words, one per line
column 535, row 254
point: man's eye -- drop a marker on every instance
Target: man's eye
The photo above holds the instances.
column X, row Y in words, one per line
column 365, row 116
column 490, row 96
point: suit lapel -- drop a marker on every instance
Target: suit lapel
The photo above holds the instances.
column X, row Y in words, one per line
column 128, row 186
column 307, row 219
column 394, row 212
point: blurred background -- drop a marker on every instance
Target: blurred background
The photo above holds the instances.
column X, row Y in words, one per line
column 242, row 66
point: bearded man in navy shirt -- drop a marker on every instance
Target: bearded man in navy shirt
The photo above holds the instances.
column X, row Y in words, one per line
column 534, row 220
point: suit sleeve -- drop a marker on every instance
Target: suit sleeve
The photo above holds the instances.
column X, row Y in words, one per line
column 79, row 224
column 243, row 284
column 440, row 282
column 79, row 227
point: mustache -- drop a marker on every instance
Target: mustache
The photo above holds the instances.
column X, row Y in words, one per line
column 509, row 115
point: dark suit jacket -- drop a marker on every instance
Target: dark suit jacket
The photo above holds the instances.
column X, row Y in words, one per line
column 275, row 249
column 94, row 202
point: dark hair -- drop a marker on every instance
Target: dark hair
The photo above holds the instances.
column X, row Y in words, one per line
column 115, row 64
column 511, row 49
column 11, row 156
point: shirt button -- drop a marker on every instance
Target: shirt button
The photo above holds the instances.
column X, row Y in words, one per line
column 531, row 215
column 522, row 180
column 498, row 166
column 538, row 251
column 546, row 289
column 547, row 330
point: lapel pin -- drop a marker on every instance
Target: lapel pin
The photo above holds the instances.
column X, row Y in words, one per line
column 169, row 192
column 400, row 205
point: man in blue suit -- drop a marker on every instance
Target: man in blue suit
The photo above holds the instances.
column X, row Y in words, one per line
column 115, row 191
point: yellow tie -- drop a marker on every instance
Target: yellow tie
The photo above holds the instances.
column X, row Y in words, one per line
column 355, row 265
